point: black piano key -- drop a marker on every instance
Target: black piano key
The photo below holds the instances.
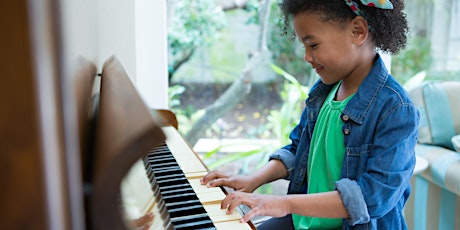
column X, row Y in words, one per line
column 172, row 204
column 160, row 149
column 180, row 197
column 177, row 191
column 178, row 200
column 159, row 157
column 186, row 211
column 175, row 186
column 172, row 181
column 185, row 208
column 181, row 204
column 169, row 174
column 151, row 173
column 160, row 152
column 193, row 222
column 164, row 165
column 163, row 147
column 178, row 182
column 196, row 225
column 165, row 170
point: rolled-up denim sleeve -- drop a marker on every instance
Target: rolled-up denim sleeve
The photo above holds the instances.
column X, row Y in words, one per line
column 286, row 157
column 353, row 200
column 286, row 154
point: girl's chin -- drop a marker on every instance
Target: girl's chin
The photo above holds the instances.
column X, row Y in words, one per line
column 328, row 81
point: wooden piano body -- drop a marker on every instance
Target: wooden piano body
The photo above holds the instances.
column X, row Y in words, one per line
column 57, row 173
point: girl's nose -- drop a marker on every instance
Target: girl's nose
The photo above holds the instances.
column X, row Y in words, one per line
column 307, row 56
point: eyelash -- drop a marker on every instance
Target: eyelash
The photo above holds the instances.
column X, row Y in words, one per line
column 313, row 46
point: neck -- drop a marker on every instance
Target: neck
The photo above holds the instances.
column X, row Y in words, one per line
column 351, row 84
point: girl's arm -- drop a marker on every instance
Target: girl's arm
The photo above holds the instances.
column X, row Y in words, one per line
column 327, row 204
column 273, row 170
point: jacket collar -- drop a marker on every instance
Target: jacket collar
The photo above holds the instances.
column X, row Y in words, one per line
column 358, row 107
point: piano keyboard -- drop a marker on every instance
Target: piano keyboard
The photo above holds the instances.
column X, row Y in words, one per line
column 179, row 200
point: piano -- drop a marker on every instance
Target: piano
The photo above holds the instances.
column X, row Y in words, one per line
column 138, row 163
column 71, row 141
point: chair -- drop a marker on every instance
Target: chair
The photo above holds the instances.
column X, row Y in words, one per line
column 435, row 199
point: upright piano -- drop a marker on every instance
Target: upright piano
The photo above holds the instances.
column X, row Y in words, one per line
column 58, row 143
column 138, row 163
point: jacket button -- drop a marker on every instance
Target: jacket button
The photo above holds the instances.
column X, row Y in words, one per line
column 346, row 131
column 345, row 118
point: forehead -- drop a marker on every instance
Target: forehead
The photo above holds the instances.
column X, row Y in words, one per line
column 310, row 25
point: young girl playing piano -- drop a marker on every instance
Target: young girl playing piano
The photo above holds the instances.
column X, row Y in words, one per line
column 352, row 153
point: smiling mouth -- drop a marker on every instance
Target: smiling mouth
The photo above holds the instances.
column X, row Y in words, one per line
column 318, row 69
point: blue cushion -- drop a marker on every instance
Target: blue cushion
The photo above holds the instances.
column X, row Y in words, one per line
column 438, row 104
column 456, row 143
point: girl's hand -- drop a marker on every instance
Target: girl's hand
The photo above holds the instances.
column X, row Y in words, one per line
column 238, row 182
column 260, row 204
column 144, row 222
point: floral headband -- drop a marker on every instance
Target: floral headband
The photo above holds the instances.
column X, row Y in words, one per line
column 381, row 4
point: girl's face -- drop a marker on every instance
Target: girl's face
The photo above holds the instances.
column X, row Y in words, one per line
column 328, row 46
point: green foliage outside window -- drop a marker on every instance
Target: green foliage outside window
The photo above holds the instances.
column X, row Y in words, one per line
column 287, row 52
column 412, row 60
column 193, row 24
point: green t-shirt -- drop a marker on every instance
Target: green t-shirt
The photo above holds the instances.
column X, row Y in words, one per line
column 325, row 160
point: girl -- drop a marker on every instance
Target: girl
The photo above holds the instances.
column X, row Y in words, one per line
column 352, row 153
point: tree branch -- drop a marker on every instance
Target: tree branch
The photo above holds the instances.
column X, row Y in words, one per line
column 231, row 4
column 185, row 57
column 239, row 89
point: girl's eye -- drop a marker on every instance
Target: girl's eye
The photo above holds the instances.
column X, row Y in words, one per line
column 313, row 46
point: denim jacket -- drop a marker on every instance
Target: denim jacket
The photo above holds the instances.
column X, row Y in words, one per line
column 380, row 134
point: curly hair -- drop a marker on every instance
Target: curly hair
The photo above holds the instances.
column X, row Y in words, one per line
column 388, row 28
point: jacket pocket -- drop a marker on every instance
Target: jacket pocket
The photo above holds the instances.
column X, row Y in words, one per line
column 355, row 162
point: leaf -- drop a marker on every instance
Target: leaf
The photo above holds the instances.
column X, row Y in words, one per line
column 232, row 157
column 212, row 152
column 414, row 81
column 283, row 73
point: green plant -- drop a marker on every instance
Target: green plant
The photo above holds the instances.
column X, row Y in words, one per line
column 193, row 24
column 287, row 52
column 293, row 94
column 260, row 150
column 415, row 80
column 173, row 93
column 279, row 122
column 412, row 60
column 185, row 117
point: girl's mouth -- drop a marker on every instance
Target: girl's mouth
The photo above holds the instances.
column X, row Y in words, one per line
column 318, row 69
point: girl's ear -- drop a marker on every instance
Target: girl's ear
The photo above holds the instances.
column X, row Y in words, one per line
column 360, row 30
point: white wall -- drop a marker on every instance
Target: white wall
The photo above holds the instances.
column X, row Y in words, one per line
column 151, row 45
column 115, row 30
column 135, row 31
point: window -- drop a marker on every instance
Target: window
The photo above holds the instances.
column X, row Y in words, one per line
column 219, row 43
